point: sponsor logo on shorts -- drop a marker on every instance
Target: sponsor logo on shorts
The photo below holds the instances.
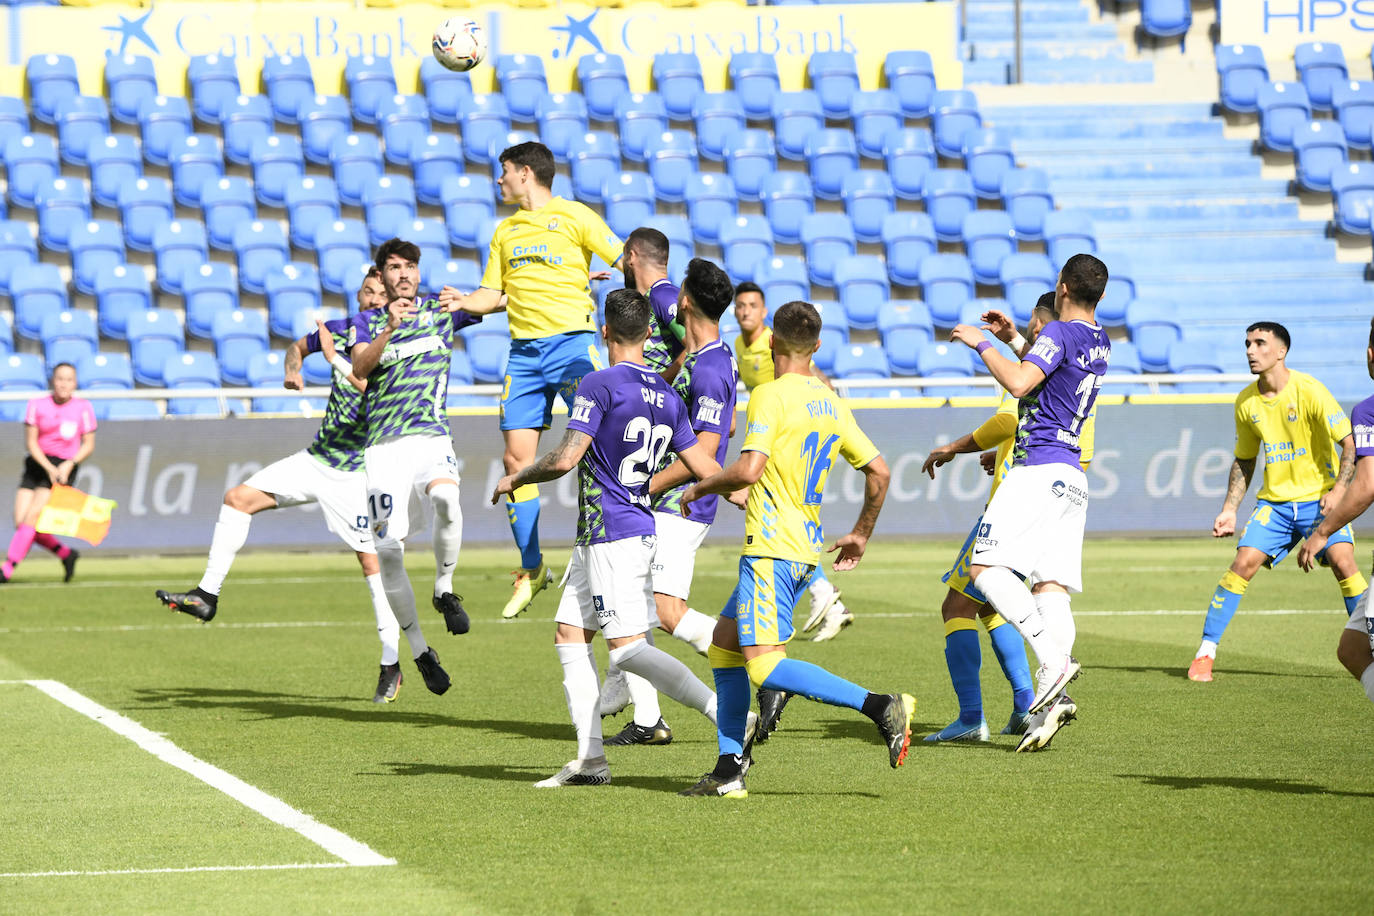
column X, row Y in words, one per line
column 1076, row 495
column 984, row 540
column 602, row 615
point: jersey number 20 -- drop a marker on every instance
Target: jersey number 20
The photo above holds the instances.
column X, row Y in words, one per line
column 653, row 442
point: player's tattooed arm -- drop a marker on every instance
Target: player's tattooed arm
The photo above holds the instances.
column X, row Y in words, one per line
column 291, row 367
column 1242, row 469
column 331, row 354
column 1344, row 474
column 562, row 459
column 852, row 545
column 1353, row 502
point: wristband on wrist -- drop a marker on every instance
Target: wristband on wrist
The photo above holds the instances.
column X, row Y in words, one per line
column 1017, row 343
column 341, row 364
column 982, row 345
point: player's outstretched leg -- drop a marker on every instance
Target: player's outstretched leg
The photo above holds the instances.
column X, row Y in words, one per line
column 230, row 534
column 402, row 601
column 1225, row 602
column 580, row 689
column 647, row 726
column 1009, row 596
column 823, row 595
column 726, row 779
column 666, row 674
column 448, row 540
column 964, row 658
column 534, row 575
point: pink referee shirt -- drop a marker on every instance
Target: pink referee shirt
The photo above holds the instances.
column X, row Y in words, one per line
column 60, row 426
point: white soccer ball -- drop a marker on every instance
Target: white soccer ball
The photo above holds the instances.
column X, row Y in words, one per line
column 460, row 44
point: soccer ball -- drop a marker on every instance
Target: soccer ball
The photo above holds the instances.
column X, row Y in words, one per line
column 460, row 44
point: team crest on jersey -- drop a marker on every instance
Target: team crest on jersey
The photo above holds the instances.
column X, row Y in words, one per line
column 1254, row 418
column 1292, row 413
column 553, row 224
column 426, row 319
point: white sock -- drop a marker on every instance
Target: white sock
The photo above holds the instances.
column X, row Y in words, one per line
column 1208, row 648
column 400, row 596
column 388, row 630
column 1009, row 597
column 695, row 629
column 581, row 689
column 645, row 698
column 821, row 587
column 1367, row 679
column 667, row 674
column 1055, row 610
column 448, row 535
column 231, row 532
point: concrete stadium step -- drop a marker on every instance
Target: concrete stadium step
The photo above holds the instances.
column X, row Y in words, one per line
column 1335, row 312
column 1214, row 145
column 1198, row 190
column 1144, row 111
column 1180, row 273
column 1175, row 168
column 1062, row 13
column 1090, row 49
column 1231, row 227
column 1198, row 214
column 1040, row 31
column 1080, row 71
column 1096, row 131
column 1170, row 252
column 1207, row 293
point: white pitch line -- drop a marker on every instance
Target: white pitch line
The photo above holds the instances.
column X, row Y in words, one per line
column 125, row 583
column 274, row 809
column 169, row 871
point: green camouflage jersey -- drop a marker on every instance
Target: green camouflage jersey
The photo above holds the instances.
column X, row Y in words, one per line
column 662, row 346
column 339, row 443
column 706, row 384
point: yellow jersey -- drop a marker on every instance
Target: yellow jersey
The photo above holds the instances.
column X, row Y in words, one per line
column 1299, row 428
column 999, row 431
column 755, row 360
column 540, row 259
column 799, row 424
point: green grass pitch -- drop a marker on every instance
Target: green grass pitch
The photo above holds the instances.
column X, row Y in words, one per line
column 1250, row 794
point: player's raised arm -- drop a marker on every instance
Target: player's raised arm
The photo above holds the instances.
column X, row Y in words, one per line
column 291, row 365
column 1019, row 378
column 852, row 545
column 555, row 464
column 1344, row 475
column 335, row 359
column 367, row 356
column 481, row 301
column 744, row 472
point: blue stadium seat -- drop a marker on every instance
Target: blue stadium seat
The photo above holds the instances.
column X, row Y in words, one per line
column 81, row 120
column 223, row 205
column 277, row 161
column 430, row 236
column 433, row 160
column 30, row 163
column 909, row 153
column 20, row 372
column 831, row 154
column 629, row 200
column 487, row 345
column 266, row 370
column 787, row 199
column 1319, row 149
column 481, row 118
column 858, row 361
column 953, row 113
column 213, row 79
column 825, row 238
column 594, row 156
column 370, row 79
column 796, row 116
column 717, row 117
column 36, row 290
column 672, row 159
column 1125, row 360
column 180, row 246
column 17, row 248
column 868, row 198
column 746, row 241
column 988, row 239
column 1195, row 357
column 946, row 360
column 1026, row 198
column 444, row 89
column 949, row 197
column 501, row 142
column 1283, row 108
column 304, row 323
column 121, row 290
column 195, row 160
column 6, row 335
column 161, row 120
column 782, row 279
column 388, row 203
column 1241, row 70
column 1154, row 326
column 106, row 372
column 1321, row 67
column 290, row 290
column 14, row 117
column 640, row 116
column 1352, row 195
column 749, row 158
column 129, row 79
column 114, row 162
column 905, row 327
column 120, row 409
column 244, row 120
column 908, row 238
column 862, row 284
column 238, row 335
column 191, row 370
column 946, row 284
column 323, row 119
column 754, row 76
column 208, row 290
column 911, row 74
column 288, row 82
column 68, row 336
column 678, row 79
column 681, row 248
column 875, row 113
column 260, row 247
column 1166, row 18
column 340, row 247
column 357, row 162
column 1067, row 233
column 1353, row 101
column 461, row 274
column 711, row 199
column 61, row 203
column 522, row 81
column 603, row 81
column 468, row 199
column 93, row 245
column 835, row 77
column 988, row 157
column 51, row 79
column 404, row 120
column 1025, row 277
column 1111, row 308
column 562, row 118
column 460, row 372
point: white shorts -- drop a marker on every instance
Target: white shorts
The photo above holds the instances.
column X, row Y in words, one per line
column 1034, row 524
column 609, row 587
column 302, row 478
column 396, row 470
column 675, row 557
column 1359, row 620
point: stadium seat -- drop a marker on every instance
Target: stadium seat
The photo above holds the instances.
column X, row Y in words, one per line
column 862, row 284
column 711, row 200
column 68, row 336
column 717, row 117
column 640, row 117
column 81, row 120
column 195, row 160
column 678, row 79
column 105, row 372
column 1125, row 360
column 988, row 239
column 180, row 246
column 1321, row 67
column 1194, row 357
column 949, row 197
column 594, row 156
column 1026, row 198
column 444, row 90
column 290, row 290
column 145, row 204
column 909, row 154
column 834, row 75
column 1354, row 104
column 120, row 409
column 1319, row 149
column 323, row 119
column 787, row 199
column 946, row 360
column 6, row 335
column 244, row 120
column 462, row 275
column 498, row 143
column 288, row 82
column 224, row 204
column 561, row 117
column 468, row 199
column 162, row 119
column 433, row 160
column 905, row 327
column 953, row 113
column 213, row 80
column 304, row 323
column 831, row 154
column 404, row 120
column 875, row 113
column 36, row 290
column 430, row 236
column 357, row 162
column 1025, row 277
column 825, row 238
column 988, row 157
column 370, row 79
column 1067, row 233
column 672, row 160
column 681, row 248
column 114, row 162
column 483, row 233
column 20, row 372
column 868, row 198
column 911, row 75
column 754, row 76
column 60, row 204
column 522, row 81
column 1241, row 70
column 51, row 80
column 749, row 158
column 238, row 335
column 191, row 370
column 30, row 163
column 602, row 80
column 946, row 284
column 129, row 79
column 388, row 203
column 17, row 248
column 482, row 117
column 1166, row 18
column 1154, row 326
column 746, row 241
column 265, row 370
column 908, row 238
column 93, row 245
column 1283, row 108
column 121, row 290
column 1111, row 308
column 858, row 361
column 260, row 248
column 796, row 116
column 1352, row 196
column 782, row 279
column 487, row 345
column 277, row 161
column 460, row 373
column 208, row 289
column 340, row 247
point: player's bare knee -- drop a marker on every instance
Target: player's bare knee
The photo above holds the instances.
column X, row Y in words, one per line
column 1341, row 559
column 956, row 605
column 566, row 634
column 1049, row 587
column 1247, row 563
column 247, row 499
column 669, row 610
column 1353, row 652
column 369, row 563
column 725, row 635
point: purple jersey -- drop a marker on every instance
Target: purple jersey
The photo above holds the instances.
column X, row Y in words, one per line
column 634, row 419
column 663, row 346
column 706, row 385
column 1073, row 356
column 1362, row 425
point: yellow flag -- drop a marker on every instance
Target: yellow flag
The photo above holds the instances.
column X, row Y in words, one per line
column 73, row 513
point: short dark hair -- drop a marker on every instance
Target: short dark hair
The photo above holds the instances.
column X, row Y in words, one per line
column 1278, row 330
column 59, row 366
column 399, row 247
column 1046, row 304
column 373, row 273
column 627, row 316
column 709, row 288
column 1371, row 332
column 1086, row 279
column 650, row 243
column 797, row 328
column 748, row 286
column 534, row 154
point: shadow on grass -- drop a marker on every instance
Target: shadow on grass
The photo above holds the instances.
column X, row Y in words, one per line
column 529, row 775
column 1182, row 671
column 1279, row 786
